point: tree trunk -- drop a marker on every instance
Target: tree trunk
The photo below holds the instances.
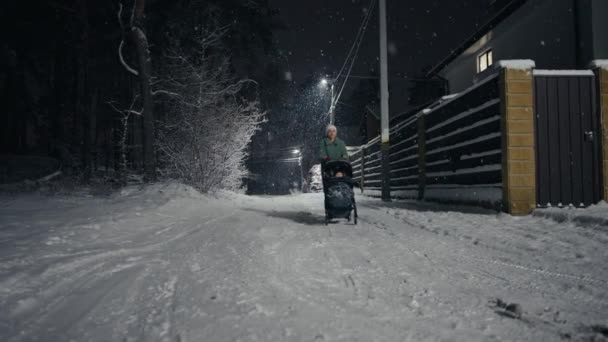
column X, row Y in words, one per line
column 81, row 92
column 92, row 132
column 145, row 70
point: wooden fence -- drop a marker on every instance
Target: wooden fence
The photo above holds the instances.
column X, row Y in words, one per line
column 451, row 151
column 518, row 140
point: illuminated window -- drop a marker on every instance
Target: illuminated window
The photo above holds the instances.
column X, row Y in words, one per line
column 485, row 61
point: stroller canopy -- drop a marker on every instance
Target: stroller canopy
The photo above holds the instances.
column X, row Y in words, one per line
column 332, row 167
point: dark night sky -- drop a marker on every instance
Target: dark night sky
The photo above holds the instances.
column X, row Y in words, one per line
column 421, row 32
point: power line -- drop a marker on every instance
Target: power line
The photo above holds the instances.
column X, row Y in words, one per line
column 358, row 43
column 359, row 32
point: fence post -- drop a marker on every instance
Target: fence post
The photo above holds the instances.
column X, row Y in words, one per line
column 518, row 137
column 602, row 81
column 386, row 172
column 362, row 181
column 421, row 154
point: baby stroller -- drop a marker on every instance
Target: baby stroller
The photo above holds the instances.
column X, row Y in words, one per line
column 338, row 189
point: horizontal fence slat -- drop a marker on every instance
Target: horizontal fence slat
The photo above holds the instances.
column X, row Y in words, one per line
column 480, row 169
column 465, row 129
column 493, row 77
column 479, row 139
column 464, row 115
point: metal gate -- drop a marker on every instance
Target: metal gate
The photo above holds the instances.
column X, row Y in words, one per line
column 567, row 139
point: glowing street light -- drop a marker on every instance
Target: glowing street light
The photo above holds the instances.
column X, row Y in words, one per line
column 296, row 151
column 332, row 107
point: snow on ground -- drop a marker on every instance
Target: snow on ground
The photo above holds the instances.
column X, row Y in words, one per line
column 167, row 264
column 593, row 216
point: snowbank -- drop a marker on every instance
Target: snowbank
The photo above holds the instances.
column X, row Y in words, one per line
column 485, row 196
column 478, row 195
column 595, row 215
column 170, row 189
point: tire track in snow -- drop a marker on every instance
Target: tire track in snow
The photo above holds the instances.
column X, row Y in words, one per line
column 81, row 272
column 529, row 269
column 445, row 249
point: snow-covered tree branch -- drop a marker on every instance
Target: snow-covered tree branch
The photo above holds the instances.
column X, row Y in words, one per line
column 122, row 44
column 211, row 119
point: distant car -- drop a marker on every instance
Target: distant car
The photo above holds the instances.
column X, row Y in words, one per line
column 315, row 178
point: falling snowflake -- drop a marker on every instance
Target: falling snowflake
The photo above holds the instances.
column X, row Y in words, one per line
column 392, row 49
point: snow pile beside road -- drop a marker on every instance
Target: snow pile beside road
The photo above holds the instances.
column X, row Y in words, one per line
column 595, row 215
column 165, row 190
column 479, row 195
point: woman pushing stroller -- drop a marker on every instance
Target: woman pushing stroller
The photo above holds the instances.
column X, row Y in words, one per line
column 332, row 147
column 337, row 177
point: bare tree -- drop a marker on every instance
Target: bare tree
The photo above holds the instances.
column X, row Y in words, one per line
column 205, row 138
column 124, row 133
column 135, row 31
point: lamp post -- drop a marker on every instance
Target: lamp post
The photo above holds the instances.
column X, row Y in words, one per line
column 384, row 117
column 332, row 106
column 299, row 153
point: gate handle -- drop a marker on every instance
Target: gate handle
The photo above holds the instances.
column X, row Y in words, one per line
column 589, row 136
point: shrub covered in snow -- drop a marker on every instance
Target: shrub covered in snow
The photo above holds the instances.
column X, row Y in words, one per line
column 211, row 117
column 315, row 178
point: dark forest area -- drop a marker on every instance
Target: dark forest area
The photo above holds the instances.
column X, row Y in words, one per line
column 106, row 91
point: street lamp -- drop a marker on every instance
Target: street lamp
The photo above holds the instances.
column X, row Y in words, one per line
column 332, row 107
column 299, row 153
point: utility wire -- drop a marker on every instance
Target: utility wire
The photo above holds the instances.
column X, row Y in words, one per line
column 357, row 46
column 352, row 48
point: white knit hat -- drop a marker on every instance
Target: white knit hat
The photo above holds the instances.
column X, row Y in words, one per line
column 329, row 127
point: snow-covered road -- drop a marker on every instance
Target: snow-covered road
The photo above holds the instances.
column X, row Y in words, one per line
column 168, row 264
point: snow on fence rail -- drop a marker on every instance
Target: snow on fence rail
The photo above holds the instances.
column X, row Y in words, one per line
column 578, row 73
column 461, row 142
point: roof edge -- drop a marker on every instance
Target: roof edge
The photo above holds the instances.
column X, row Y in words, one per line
column 503, row 14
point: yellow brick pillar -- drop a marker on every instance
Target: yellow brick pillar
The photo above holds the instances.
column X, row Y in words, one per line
column 602, row 72
column 517, row 123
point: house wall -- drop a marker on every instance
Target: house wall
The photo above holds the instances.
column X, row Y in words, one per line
column 585, row 20
column 351, row 135
column 542, row 30
column 593, row 30
column 599, row 10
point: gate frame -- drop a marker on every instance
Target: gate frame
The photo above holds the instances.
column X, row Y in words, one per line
column 601, row 72
column 596, row 125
